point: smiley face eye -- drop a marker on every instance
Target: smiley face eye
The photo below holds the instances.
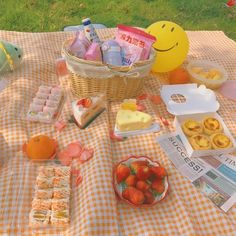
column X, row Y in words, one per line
column 172, row 29
column 163, row 26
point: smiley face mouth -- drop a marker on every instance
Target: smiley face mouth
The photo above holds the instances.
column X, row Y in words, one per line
column 165, row 50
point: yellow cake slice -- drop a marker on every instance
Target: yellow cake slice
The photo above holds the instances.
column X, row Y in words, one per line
column 127, row 120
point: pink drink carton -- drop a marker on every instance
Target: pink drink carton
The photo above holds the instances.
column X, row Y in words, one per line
column 94, row 52
column 136, row 44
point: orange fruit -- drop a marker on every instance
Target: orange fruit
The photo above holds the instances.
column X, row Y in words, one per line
column 40, row 147
column 179, row 76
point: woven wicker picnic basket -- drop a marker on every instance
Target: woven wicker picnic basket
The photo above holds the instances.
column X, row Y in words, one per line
column 117, row 83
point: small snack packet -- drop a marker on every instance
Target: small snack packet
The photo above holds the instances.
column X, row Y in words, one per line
column 93, row 53
column 136, row 44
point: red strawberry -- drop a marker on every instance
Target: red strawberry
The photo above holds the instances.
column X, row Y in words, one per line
column 149, row 198
column 131, row 180
column 159, row 171
column 126, row 193
column 122, row 172
column 158, row 186
column 85, row 102
column 134, row 165
column 136, row 196
column 142, row 185
column 143, row 172
column 133, row 195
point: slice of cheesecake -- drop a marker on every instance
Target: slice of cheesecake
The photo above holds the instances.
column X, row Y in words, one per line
column 127, row 120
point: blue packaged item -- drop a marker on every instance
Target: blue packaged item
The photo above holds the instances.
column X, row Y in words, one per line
column 111, row 51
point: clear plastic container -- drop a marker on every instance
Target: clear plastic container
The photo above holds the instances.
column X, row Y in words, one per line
column 207, row 72
column 45, row 105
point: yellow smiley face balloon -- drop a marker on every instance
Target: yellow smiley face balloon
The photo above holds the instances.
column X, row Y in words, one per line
column 171, row 45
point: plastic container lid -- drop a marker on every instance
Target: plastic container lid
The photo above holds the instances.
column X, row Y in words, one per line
column 206, row 66
column 192, row 99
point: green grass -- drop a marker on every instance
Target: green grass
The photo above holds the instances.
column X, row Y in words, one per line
column 49, row 15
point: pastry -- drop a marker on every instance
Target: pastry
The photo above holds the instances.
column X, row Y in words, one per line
column 220, row 141
column 200, row 142
column 59, row 182
column 211, row 125
column 41, row 204
column 45, row 104
column 51, row 200
column 39, row 218
column 59, row 193
column 43, row 193
column 60, row 218
column 60, row 204
column 86, row 109
column 191, row 127
column 127, row 120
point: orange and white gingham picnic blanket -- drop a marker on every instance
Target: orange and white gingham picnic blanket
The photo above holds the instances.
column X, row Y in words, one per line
column 95, row 210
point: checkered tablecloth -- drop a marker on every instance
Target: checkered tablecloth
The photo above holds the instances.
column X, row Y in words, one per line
column 95, row 210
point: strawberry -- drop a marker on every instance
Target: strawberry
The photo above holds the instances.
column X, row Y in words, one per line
column 158, row 186
column 143, row 172
column 85, row 102
column 159, row 171
column 131, row 180
column 134, row 165
column 149, row 198
column 136, row 196
column 133, row 195
column 122, row 172
column 142, row 185
column 126, row 193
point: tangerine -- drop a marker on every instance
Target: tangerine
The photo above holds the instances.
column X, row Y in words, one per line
column 40, row 147
column 179, row 76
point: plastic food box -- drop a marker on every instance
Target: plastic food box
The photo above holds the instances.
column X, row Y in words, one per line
column 45, row 105
column 199, row 73
column 199, row 103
